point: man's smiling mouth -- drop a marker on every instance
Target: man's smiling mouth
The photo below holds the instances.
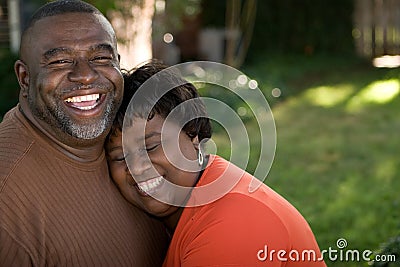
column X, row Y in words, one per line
column 84, row 102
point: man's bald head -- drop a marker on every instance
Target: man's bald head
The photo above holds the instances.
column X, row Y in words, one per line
column 59, row 7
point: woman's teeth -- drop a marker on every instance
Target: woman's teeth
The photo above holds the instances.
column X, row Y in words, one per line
column 150, row 185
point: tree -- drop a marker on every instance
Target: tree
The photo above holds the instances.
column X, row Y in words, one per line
column 133, row 24
column 240, row 18
column 132, row 20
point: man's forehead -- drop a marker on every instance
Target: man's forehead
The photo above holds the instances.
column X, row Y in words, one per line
column 70, row 28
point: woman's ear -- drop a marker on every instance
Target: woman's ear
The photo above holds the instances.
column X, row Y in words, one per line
column 195, row 141
column 22, row 73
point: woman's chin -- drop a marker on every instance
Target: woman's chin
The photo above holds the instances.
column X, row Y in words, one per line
column 157, row 208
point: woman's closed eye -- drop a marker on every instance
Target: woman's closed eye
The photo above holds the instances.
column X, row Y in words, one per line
column 121, row 158
column 152, row 147
column 117, row 157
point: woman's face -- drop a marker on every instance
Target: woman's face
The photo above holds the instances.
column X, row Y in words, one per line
column 156, row 152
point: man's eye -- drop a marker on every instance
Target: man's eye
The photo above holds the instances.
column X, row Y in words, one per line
column 102, row 59
column 60, row 62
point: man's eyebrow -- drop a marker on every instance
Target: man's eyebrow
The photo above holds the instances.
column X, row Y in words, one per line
column 107, row 47
column 58, row 50
column 54, row 51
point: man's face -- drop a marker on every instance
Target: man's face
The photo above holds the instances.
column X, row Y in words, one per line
column 73, row 70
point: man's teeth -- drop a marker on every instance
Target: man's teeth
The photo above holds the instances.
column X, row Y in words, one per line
column 150, row 185
column 83, row 98
column 87, row 107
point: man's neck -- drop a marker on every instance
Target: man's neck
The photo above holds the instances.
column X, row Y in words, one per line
column 78, row 149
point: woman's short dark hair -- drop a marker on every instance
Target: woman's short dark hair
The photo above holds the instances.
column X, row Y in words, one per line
column 165, row 92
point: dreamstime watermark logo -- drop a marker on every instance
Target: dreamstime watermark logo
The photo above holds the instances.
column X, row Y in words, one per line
column 338, row 253
column 215, row 77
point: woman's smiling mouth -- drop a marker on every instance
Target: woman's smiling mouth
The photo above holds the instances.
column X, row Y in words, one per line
column 150, row 186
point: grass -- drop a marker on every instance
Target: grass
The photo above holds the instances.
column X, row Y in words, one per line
column 337, row 158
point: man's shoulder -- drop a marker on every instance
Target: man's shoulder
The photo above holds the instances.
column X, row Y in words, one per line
column 15, row 141
column 13, row 128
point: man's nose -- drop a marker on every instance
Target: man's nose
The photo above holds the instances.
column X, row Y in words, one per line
column 83, row 72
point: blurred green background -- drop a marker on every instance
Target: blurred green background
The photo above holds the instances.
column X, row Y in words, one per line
column 337, row 116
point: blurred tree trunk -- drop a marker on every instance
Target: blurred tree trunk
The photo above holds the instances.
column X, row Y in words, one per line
column 240, row 18
column 132, row 21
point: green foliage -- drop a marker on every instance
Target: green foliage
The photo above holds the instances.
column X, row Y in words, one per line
column 213, row 13
column 306, row 26
column 176, row 9
column 337, row 150
column 8, row 82
column 391, row 247
column 105, row 5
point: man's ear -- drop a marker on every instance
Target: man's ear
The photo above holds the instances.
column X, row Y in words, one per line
column 21, row 70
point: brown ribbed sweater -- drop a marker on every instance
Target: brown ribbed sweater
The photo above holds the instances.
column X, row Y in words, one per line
column 55, row 211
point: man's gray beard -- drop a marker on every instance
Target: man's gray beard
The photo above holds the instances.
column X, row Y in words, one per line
column 90, row 130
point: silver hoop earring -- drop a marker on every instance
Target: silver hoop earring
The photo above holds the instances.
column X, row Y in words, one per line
column 200, row 158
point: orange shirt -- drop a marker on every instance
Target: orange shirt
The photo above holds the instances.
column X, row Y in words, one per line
column 241, row 228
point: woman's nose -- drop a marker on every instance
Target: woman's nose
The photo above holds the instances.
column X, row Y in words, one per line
column 139, row 164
